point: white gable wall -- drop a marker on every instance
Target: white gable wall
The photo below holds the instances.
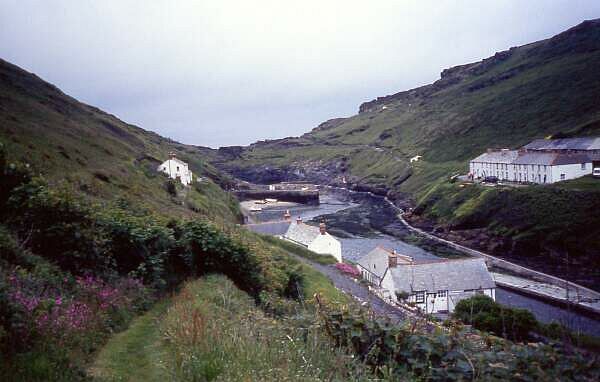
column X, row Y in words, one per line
column 177, row 169
column 327, row 245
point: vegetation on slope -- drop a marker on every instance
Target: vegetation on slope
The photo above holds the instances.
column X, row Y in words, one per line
column 72, row 272
column 533, row 91
column 552, row 228
column 97, row 155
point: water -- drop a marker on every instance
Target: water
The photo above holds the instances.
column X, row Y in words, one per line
column 362, row 221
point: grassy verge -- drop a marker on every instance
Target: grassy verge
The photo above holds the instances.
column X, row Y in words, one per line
column 214, row 331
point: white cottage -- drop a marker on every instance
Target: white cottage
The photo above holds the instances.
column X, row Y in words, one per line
column 177, row 169
column 433, row 286
column 315, row 239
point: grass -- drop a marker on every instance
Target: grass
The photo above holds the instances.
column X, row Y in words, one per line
column 211, row 330
column 136, row 354
column 95, row 154
column 214, row 332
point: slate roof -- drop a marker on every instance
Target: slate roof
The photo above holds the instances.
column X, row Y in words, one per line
column 551, row 158
column 498, row 156
column 541, row 158
column 270, row 228
column 302, row 233
column 442, row 275
column 589, row 143
column 376, row 261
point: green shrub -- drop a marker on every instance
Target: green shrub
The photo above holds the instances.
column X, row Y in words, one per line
column 485, row 314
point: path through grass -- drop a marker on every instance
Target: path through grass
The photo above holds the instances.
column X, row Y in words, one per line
column 135, row 354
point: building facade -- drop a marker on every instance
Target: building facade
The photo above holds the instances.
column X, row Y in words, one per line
column 433, row 286
column 541, row 161
column 316, row 239
column 177, row 169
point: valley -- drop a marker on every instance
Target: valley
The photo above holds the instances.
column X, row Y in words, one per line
column 126, row 255
column 540, row 90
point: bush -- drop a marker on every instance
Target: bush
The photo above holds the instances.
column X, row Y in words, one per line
column 208, row 250
column 485, row 314
column 170, row 187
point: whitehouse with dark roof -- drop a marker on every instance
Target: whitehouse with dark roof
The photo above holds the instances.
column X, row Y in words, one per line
column 316, row 239
column 435, row 286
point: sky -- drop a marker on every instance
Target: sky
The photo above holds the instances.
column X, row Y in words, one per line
column 219, row 73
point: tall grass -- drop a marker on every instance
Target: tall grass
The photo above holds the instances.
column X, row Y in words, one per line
column 214, row 331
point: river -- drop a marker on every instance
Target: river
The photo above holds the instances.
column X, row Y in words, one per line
column 362, row 221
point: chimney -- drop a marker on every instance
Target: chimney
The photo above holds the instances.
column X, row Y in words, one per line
column 490, row 150
column 322, row 228
column 299, row 220
column 393, row 259
column 171, row 154
column 287, row 216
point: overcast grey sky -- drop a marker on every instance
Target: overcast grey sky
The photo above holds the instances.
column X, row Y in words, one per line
column 221, row 72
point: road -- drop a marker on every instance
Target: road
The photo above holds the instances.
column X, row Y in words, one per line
column 358, row 291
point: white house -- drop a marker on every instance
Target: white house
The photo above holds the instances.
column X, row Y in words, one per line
column 541, row 161
column 433, row 286
column 177, row 169
column 315, row 239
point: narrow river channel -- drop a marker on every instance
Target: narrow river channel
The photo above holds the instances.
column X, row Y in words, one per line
column 363, row 221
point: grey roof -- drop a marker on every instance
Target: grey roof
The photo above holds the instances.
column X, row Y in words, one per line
column 442, row 275
column 533, row 157
column 497, row 156
column 270, row 228
column 376, row 261
column 589, row 143
column 302, row 233
column 571, row 159
column 550, row 158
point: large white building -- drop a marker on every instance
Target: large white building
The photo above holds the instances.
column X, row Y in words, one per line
column 435, row 286
column 314, row 238
column 177, row 169
column 541, row 161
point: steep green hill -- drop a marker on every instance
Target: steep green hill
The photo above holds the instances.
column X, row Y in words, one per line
column 546, row 88
column 549, row 87
column 81, row 147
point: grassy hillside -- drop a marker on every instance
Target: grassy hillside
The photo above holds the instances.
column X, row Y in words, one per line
column 541, row 89
column 85, row 149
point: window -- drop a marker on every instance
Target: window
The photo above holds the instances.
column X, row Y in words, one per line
column 420, row 297
column 177, row 168
column 442, row 293
column 583, row 166
column 562, row 176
